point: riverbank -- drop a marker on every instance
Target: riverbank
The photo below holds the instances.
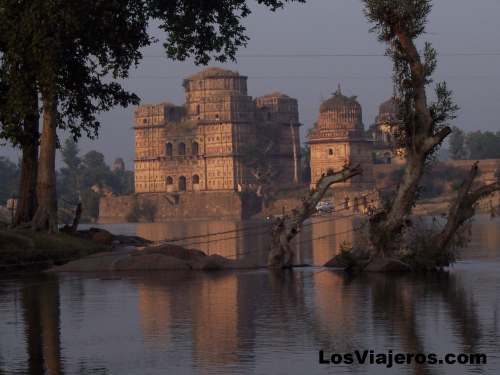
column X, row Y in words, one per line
column 26, row 250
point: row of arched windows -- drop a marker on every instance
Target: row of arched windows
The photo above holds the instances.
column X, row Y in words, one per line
column 181, row 149
column 182, row 184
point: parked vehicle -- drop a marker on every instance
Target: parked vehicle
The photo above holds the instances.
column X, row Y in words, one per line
column 324, row 207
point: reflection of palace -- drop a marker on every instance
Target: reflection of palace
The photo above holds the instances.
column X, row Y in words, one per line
column 334, row 309
column 229, row 320
column 328, row 236
column 220, row 309
column 234, row 245
column 154, row 314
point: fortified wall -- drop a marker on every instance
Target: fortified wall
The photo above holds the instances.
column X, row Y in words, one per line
column 160, row 207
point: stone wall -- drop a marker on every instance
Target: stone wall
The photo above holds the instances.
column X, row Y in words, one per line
column 189, row 205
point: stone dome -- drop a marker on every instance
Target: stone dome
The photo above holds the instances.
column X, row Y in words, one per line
column 388, row 111
column 339, row 102
column 213, row 72
column 339, row 117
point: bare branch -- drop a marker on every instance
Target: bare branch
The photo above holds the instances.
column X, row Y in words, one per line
column 286, row 228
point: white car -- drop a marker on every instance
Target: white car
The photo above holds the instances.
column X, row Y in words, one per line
column 324, row 207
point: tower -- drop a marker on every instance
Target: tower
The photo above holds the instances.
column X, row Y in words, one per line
column 338, row 138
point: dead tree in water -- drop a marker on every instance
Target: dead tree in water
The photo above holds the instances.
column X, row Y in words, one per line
column 463, row 207
column 424, row 126
column 286, row 228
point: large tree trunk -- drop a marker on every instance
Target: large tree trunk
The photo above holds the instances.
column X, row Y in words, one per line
column 27, row 202
column 286, row 228
column 386, row 227
column 46, row 214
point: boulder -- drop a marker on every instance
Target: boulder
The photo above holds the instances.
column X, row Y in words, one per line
column 175, row 252
column 102, row 237
column 211, row 263
column 92, row 263
column 146, row 262
column 387, row 265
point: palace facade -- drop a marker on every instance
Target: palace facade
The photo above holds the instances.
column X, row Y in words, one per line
column 198, row 146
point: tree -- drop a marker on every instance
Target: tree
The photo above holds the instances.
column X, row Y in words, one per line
column 457, row 144
column 285, row 229
column 483, row 145
column 70, row 156
column 69, row 180
column 83, row 179
column 75, row 60
column 19, row 119
column 257, row 154
column 424, row 126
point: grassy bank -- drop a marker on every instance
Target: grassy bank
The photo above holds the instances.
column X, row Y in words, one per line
column 28, row 250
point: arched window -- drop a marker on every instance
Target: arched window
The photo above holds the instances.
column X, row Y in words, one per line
column 182, row 183
column 196, row 179
column 182, row 149
column 169, row 150
column 217, row 116
column 194, row 148
column 198, row 109
column 330, row 151
column 170, row 180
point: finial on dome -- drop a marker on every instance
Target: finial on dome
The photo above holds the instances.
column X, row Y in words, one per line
column 339, row 90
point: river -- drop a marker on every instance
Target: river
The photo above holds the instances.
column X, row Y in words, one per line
column 252, row 322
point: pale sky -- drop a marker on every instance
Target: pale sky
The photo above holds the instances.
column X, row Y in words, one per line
column 457, row 29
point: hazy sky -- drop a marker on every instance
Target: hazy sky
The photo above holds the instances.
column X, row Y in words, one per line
column 330, row 27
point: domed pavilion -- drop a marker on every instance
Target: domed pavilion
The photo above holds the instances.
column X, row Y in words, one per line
column 337, row 139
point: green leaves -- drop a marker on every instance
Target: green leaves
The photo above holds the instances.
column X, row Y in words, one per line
column 390, row 17
column 204, row 29
column 444, row 109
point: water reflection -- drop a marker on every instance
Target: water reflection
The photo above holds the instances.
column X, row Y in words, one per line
column 251, row 322
column 319, row 240
column 41, row 315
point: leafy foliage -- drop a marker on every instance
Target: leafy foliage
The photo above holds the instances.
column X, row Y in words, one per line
column 76, row 59
column 257, row 154
column 398, row 23
column 205, row 29
column 483, row 145
column 457, row 144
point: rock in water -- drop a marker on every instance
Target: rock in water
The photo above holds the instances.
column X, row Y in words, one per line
column 212, row 263
column 102, row 237
column 147, row 262
column 387, row 265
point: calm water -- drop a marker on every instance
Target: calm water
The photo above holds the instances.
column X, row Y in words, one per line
column 251, row 322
